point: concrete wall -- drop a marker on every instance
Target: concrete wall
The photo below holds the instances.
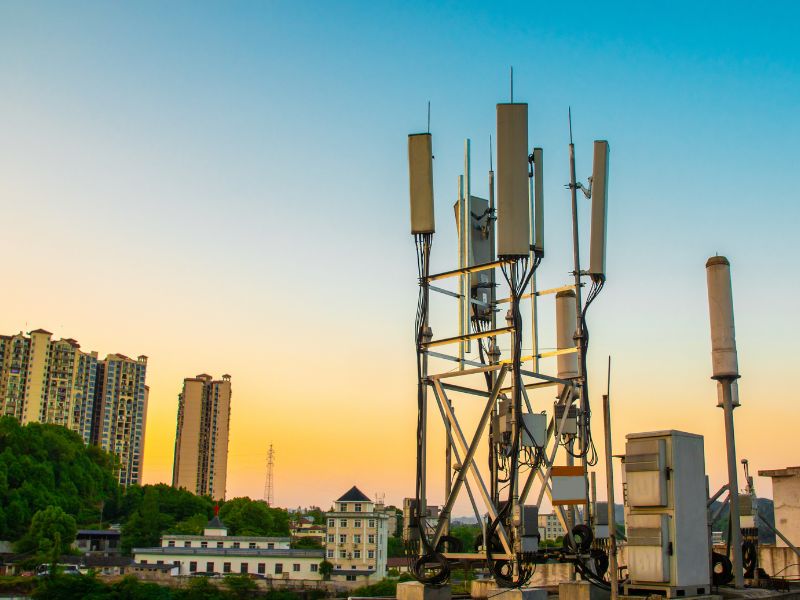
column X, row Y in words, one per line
column 786, row 492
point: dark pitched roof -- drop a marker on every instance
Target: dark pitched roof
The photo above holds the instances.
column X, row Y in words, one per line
column 354, row 495
column 215, row 523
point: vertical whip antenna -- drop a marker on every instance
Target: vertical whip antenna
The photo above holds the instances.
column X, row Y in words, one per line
column 512, row 84
column 491, row 168
column 569, row 117
column 429, row 116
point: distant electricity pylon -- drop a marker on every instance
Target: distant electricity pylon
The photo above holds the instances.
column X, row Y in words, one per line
column 268, row 488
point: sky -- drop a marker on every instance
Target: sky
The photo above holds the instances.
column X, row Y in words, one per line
column 223, row 188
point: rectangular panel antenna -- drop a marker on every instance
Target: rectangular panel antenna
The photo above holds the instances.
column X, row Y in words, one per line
column 538, row 200
column 513, row 203
column 420, row 179
column 597, row 254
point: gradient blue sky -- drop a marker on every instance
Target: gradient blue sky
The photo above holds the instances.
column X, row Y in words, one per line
column 223, row 187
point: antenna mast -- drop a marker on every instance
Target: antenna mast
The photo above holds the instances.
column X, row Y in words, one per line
column 268, row 487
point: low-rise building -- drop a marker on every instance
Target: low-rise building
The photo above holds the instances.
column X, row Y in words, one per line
column 786, row 495
column 304, row 528
column 98, row 541
column 550, row 527
column 217, row 553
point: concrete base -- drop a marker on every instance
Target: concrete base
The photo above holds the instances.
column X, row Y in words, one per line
column 581, row 590
column 480, row 589
column 414, row 590
column 519, row 594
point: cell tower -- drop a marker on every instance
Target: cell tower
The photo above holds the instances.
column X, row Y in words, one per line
column 531, row 421
column 269, row 492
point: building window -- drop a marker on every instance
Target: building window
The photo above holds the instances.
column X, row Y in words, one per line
column 342, row 553
column 171, row 543
column 330, row 553
column 226, row 567
column 193, row 567
column 187, row 544
column 357, row 538
column 342, row 538
column 357, row 524
column 331, row 522
column 144, row 562
column 371, row 538
column 343, row 507
column 278, row 568
column 342, row 522
column 358, row 507
column 243, row 568
column 331, row 538
column 262, row 568
column 370, row 553
column 252, row 544
column 270, row 546
column 351, row 578
column 314, row 568
column 219, row 544
column 356, row 553
column 372, row 523
column 209, row 567
column 296, row 567
column 204, row 544
column 235, row 544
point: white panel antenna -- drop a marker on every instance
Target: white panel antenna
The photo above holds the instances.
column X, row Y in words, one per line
column 420, row 178
column 538, row 200
column 513, row 203
column 597, row 253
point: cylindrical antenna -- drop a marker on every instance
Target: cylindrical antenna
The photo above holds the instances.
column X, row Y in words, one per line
column 512, row 85
column 491, row 168
column 566, row 324
column 725, row 364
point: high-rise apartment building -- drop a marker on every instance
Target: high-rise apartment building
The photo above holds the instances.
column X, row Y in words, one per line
column 47, row 381
column 53, row 381
column 201, row 439
column 121, row 411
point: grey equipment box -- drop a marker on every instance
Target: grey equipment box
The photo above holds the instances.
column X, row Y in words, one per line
column 665, row 497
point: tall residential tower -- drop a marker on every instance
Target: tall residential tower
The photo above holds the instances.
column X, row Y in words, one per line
column 201, row 440
column 120, row 413
column 104, row 401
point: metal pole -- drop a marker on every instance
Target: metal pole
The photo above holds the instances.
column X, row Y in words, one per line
column 463, row 301
column 612, row 526
column 735, row 538
column 578, row 304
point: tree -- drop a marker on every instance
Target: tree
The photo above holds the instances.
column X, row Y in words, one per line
column 395, row 547
column 325, row 569
column 240, row 586
column 51, row 533
column 307, row 543
column 243, row 516
column 143, row 529
column 49, row 465
column 194, row 525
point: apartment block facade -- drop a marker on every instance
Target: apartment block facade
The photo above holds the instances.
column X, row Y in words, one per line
column 53, row 381
column 121, row 412
column 357, row 536
column 201, row 438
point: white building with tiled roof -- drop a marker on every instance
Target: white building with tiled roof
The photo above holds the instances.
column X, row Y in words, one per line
column 217, row 553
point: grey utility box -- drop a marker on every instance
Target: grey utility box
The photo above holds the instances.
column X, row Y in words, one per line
column 665, row 513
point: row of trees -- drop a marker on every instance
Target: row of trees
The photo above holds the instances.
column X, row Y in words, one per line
column 51, row 484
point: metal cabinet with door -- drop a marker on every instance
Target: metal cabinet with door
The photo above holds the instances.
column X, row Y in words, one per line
column 665, row 513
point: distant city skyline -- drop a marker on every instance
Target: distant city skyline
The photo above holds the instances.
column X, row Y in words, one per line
column 244, row 166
